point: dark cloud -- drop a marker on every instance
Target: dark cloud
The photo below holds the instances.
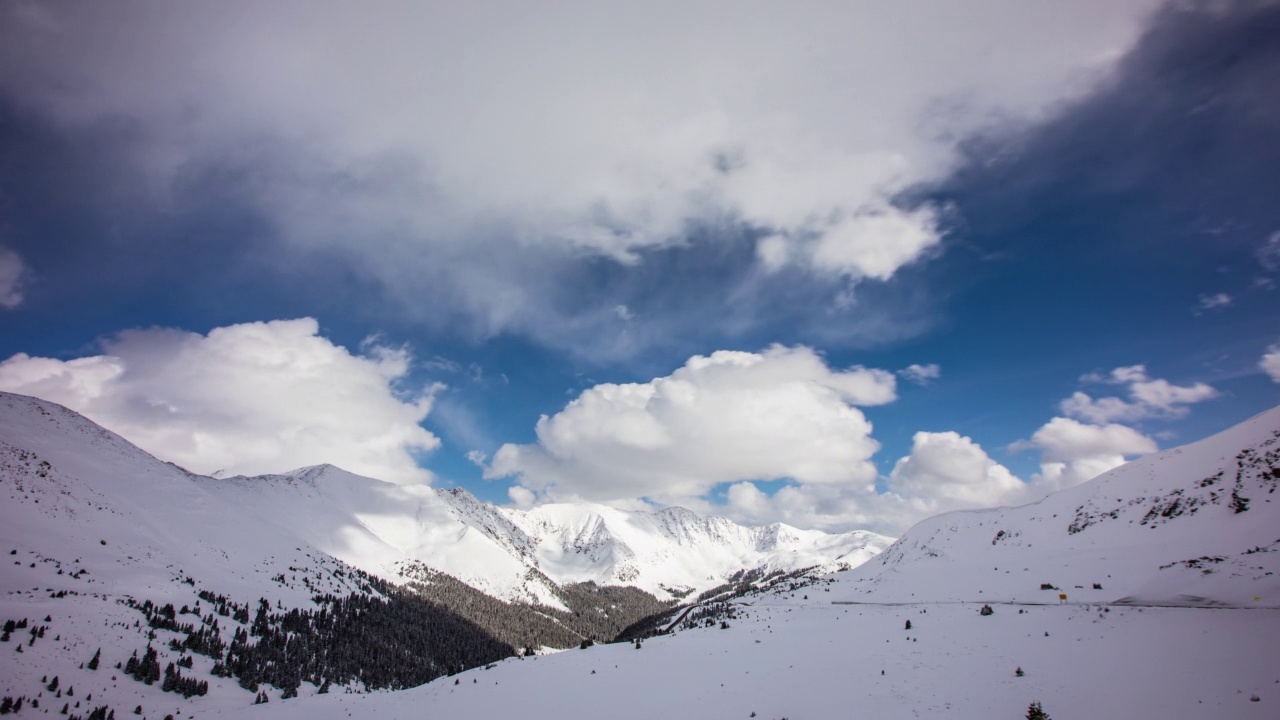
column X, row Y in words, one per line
column 1112, row 217
column 422, row 165
column 1180, row 146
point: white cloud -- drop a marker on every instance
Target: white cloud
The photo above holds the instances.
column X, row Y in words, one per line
column 948, row 471
column 249, row 398
column 1167, row 399
column 1122, row 375
column 773, row 252
column 505, row 141
column 1270, row 362
column 1148, row 397
column 1074, row 452
column 1064, row 439
column 921, row 374
column 13, row 274
column 1217, row 301
column 733, row 418
column 521, row 498
column 727, row 417
column 945, row 471
column 873, row 243
column 1269, row 253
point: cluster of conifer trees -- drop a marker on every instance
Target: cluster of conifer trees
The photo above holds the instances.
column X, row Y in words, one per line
column 188, row 687
column 394, row 641
column 392, row 637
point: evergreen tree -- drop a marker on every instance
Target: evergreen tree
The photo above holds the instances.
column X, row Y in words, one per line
column 170, row 677
column 908, row 624
column 93, row 664
column 1035, row 712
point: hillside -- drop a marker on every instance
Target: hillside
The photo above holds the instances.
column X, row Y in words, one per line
column 1197, row 525
column 117, row 556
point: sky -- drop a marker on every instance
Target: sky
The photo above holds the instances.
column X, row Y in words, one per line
column 837, row 264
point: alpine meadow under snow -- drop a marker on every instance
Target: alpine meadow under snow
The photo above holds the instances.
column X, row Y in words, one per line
column 323, row 594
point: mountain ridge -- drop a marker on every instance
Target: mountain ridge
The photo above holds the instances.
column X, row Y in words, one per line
column 669, row 553
column 1191, row 525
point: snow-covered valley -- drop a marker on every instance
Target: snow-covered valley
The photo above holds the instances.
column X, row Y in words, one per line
column 1168, row 565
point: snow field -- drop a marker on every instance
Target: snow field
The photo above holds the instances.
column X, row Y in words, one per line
column 814, row 660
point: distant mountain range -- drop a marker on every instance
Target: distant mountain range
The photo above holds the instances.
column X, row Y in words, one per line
column 521, row 555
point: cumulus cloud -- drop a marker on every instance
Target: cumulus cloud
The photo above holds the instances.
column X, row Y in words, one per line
column 1270, row 362
column 249, row 398
column 12, row 276
column 862, row 244
column 944, row 471
column 503, row 144
column 921, row 374
column 726, row 417
column 947, row 470
column 1074, row 452
column 833, row 508
column 1148, row 397
column 737, row 418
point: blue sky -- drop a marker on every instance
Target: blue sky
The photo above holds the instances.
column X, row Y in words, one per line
column 499, row 211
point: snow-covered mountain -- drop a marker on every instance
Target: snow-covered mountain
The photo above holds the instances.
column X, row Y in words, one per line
column 950, row 622
column 1195, row 525
column 675, row 551
column 93, row 524
column 523, row 555
column 97, row 528
column 112, row 519
column 376, row 526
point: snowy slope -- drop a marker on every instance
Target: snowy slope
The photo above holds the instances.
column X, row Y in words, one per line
column 82, row 497
column 88, row 521
column 1196, row 525
column 378, row 526
column 510, row 554
column 815, row 661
